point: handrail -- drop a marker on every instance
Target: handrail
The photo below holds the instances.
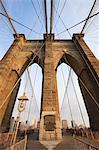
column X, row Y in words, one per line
column 19, row 144
column 88, row 144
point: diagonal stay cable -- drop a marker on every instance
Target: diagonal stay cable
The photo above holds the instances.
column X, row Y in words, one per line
column 36, row 12
column 93, row 98
column 20, row 24
column 78, row 102
column 35, row 23
column 8, row 17
column 60, row 13
column 58, row 6
column 35, row 54
column 71, row 114
column 88, row 16
column 16, row 21
column 32, row 94
column 40, row 9
column 62, row 22
column 85, row 30
column 77, row 99
column 32, row 30
column 6, row 25
column 78, row 23
column 80, row 52
column 66, row 92
column 74, row 92
column 32, row 88
column 66, row 87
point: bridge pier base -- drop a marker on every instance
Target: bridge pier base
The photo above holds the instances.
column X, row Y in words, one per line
column 50, row 126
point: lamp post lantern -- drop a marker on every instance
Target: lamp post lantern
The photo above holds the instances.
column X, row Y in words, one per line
column 21, row 107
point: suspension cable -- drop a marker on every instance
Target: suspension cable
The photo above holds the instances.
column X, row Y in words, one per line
column 75, row 95
column 51, row 16
column 6, row 25
column 65, row 83
column 34, row 86
column 31, row 98
column 69, row 106
column 66, row 93
column 58, row 6
column 74, row 91
column 16, row 21
column 60, row 13
column 36, row 53
column 36, row 12
column 88, row 16
column 63, row 22
column 93, row 98
column 66, row 87
column 78, row 23
column 8, row 17
column 31, row 30
column 40, row 9
column 45, row 10
column 25, row 84
column 86, row 63
column 78, row 102
column 32, row 94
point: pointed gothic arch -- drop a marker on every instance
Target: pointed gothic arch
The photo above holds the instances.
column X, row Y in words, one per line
column 78, row 56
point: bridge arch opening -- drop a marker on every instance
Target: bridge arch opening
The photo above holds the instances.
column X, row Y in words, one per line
column 86, row 84
column 72, row 57
column 31, row 85
column 33, row 91
column 68, row 104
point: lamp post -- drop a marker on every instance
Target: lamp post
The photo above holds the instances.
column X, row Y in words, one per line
column 21, row 107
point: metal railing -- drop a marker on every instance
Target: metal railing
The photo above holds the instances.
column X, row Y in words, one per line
column 21, row 145
column 86, row 145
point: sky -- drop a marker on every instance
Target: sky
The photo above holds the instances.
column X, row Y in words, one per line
column 31, row 14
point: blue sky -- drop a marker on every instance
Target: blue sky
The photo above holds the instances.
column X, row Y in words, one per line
column 72, row 12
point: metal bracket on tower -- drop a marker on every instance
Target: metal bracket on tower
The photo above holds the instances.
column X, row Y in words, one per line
column 48, row 36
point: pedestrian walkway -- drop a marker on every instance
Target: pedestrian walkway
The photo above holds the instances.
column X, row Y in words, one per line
column 68, row 143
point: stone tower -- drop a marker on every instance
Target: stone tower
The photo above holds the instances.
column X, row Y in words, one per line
column 51, row 53
column 50, row 124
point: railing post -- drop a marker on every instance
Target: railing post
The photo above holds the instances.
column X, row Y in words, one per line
column 92, row 136
column 82, row 133
column 25, row 142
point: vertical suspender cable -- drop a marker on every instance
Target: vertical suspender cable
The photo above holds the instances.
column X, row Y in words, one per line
column 51, row 17
column 45, row 8
column 69, row 107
